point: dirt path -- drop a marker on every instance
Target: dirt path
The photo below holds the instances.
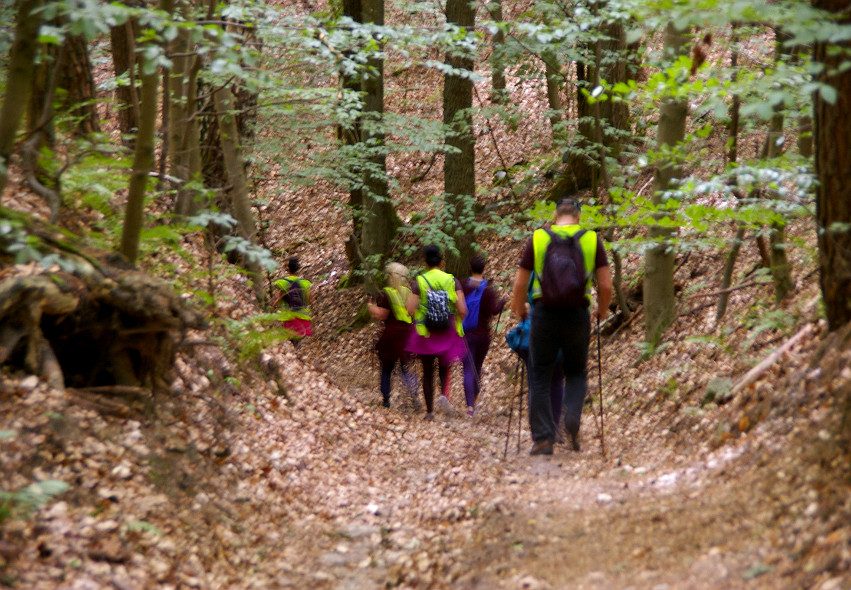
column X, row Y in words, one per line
column 298, row 478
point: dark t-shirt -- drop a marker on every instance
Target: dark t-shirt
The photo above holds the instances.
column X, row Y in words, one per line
column 489, row 307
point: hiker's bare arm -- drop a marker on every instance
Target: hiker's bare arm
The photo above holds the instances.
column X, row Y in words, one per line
column 412, row 303
column 461, row 304
column 604, row 291
column 520, row 292
column 377, row 312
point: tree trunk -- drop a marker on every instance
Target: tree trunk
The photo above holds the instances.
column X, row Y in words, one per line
column 379, row 215
column 18, row 80
column 659, row 300
column 351, row 135
column 732, row 156
column 582, row 168
column 833, row 195
column 499, row 94
column 143, row 162
column 180, row 88
column 781, row 273
column 238, row 191
column 123, row 45
column 553, row 78
column 77, row 80
column 459, row 176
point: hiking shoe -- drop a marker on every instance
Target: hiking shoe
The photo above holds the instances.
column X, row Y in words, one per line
column 429, row 417
column 571, row 426
column 542, row 447
column 443, row 405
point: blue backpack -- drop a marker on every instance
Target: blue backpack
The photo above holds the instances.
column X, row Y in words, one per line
column 474, row 303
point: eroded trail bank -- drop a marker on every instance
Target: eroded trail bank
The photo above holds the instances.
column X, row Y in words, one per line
column 285, row 480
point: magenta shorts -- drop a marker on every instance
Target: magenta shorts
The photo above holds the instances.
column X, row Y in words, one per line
column 300, row 326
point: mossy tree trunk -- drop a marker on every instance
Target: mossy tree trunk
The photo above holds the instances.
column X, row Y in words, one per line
column 240, row 201
column 19, row 74
column 659, row 299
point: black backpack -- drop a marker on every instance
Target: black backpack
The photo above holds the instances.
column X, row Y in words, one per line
column 563, row 279
column 437, row 308
column 294, row 295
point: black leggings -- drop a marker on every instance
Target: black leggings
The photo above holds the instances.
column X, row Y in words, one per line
column 428, row 379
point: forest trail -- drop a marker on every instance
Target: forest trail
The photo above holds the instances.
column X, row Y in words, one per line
column 297, row 478
column 456, row 512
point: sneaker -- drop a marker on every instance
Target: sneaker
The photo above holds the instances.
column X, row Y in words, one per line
column 429, row 417
column 470, row 411
column 571, row 426
column 443, row 405
column 542, row 447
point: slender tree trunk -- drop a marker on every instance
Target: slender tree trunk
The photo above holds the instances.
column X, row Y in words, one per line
column 179, row 88
column 459, row 176
column 123, row 50
column 143, row 163
column 606, row 59
column 732, row 156
column 40, row 135
column 238, row 191
column 833, row 195
column 553, row 78
column 781, row 272
column 659, row 300
column 18, row 80
column 499, row 93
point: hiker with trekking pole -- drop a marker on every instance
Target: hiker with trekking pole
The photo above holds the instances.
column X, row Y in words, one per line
column 564, row 259
column 482, row 304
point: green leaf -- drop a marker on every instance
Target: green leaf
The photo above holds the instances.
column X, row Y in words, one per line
column 828, row 93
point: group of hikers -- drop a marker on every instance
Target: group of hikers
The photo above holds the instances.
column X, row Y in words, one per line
column 442, row 321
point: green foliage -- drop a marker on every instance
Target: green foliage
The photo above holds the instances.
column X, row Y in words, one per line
column 247, row 337
column 759, row 320
column 22, row 502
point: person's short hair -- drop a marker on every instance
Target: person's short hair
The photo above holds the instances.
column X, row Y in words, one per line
column 568, row 206
column 477, row 263
column 433, row 256
column 293, row 264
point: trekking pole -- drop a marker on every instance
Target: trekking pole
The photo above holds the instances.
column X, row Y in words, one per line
column 600, row 385
column 510, row 413
column 520, row 400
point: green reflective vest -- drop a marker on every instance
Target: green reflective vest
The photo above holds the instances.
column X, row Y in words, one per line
column 541, row 239
column 438, row 280
column 397, row 303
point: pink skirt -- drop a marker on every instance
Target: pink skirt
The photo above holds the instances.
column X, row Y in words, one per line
column 447, row 346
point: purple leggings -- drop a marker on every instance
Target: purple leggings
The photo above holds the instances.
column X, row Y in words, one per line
column 477, row 350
